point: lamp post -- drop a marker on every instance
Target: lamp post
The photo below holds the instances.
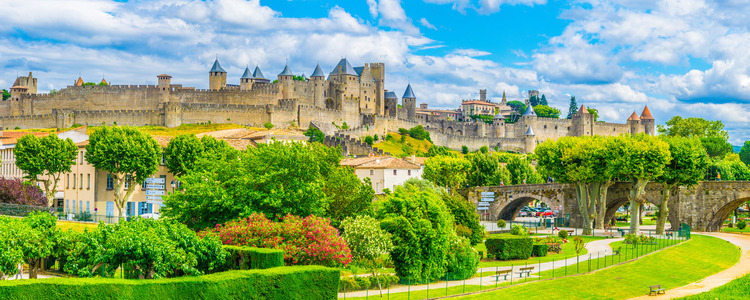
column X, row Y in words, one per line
column 173, row 185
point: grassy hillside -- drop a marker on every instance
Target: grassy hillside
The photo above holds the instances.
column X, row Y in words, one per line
column 397, row 148
column 183, row 129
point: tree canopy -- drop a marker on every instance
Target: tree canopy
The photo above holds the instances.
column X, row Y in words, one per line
column 45, row 159
column 517, row 106
column 693, row 127
column 572, row 108
column 545, row 111
column 716, row 147
column 447, row 171
column 745, row 153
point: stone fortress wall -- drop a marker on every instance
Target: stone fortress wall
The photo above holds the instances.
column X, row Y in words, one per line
column 351, row 95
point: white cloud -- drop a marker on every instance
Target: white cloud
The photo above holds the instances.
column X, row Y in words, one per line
column 471, row 52
column 392, row 15
column 427, row 24
column 576, row 61
column 485, row 7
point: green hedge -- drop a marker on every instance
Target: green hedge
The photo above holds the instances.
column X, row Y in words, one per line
column 298, row 282
column 507, row 248
column 350, row 283
column 539, row 250
column 245, row 258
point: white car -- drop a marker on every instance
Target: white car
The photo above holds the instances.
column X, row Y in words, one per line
column 150, row 216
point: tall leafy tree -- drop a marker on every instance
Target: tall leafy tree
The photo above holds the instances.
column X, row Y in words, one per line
column 572, row 108
column 745, row 153
column 128, row 154
column 686, row 168
column 643, row 161
column 543, row 101
column 347, row 196
column 693, row 127
column 716, row 147
column 594, row 112
column 45, row 159
column 182, row 153
column 520, row 170
column 533, row 100
column 545, row 111
column 486, row 170
column 583, row 162
column 517, row 106
column 447, row 171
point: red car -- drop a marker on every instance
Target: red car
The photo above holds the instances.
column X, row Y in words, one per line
column 545, row 213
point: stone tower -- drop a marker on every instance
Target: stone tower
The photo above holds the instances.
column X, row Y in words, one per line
column 318, row 79
column 286, row 79
column 528, row 118
column 29, row 82
column 246, row 81
column 647, row 121
column 217, row 77
column 409, row 101
column 583, row 122
column 391, row 104
column 16, row 104
column 165, row 81
column 378, row 74
column 529, row 141
column 635, row 124
column 483, row 95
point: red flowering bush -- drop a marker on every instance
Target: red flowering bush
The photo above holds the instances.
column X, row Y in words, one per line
column 305, row 241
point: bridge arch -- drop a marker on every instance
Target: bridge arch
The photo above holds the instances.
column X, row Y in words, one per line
column 449, row 130
column 459, row 132
column 717, row 219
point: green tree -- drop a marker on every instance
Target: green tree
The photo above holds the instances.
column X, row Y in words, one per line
column 693, row 127
column 439, row 150
column 572, row 108
column 347, row 196
column 421, row 228
column 44, row 160
column 594, row 112
column 517, row 106
column 33, row 238
column 543, row 101
column 315, row 135
column 583, row 162
column 215, row 149
column 643, row 161
column 128, row 154
column 365, row 238
column 533, row 100
column 520, row 169
column 686, row 168
column 464, row 217
column 447, row 171
column 745, row 153
column 484, row 149
column 182, row 153
column 418, row 132
column 6, row 94
column 544, row 111
column 716, row 147
column 464, row 149
column 486, row 170
column 369, row 140
column 268, row 125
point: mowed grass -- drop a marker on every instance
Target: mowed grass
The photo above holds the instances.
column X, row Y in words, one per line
column 435, row 292
column 673, row 267
column 568, row 251
column 183, row 129
column 735, row 289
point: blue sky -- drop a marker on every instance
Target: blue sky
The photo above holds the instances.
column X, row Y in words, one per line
column 681, row 57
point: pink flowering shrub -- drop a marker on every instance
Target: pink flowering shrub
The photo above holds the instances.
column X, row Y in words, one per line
column 305, row 241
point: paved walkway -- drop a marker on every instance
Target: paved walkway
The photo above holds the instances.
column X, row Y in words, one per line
column 600, row 247
column 740, row 269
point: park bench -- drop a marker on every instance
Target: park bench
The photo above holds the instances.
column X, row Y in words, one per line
column 656, row 290
column 608, row 233
column 570, row 232
column 526, row 271
column 617, row 252
column 503, row 273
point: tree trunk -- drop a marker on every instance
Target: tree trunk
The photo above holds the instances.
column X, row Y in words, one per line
column 663, row 209
column 585, row 206
column 602, row 204
column 34, row 267
column 637, row 197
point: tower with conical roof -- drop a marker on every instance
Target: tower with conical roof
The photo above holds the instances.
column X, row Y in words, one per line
column 217, row 77
column 318, row 79
column 648, row 121
column 528, row 119
column 583, row 122
column 286, row 81
column 529, row 140
column 635, row 124
column 409, row 101
column 247, row 80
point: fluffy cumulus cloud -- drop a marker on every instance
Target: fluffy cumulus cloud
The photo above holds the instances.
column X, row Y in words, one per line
column 485, row 7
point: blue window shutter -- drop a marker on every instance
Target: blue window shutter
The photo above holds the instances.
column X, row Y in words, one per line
column 150, row 208
column 110, row 208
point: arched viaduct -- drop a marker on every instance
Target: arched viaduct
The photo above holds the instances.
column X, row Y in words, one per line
column 704, row 206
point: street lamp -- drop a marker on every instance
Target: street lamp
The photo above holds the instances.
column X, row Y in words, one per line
column 173, row 185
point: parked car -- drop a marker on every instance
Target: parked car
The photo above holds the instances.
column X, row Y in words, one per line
column 546, row 213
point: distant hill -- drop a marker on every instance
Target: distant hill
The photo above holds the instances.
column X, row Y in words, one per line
column 737, row 149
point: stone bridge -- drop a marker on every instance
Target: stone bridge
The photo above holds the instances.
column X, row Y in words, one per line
column 704, row 206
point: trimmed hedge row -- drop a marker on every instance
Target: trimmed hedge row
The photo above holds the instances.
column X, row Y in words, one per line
column 539, row 250
column 298, row 282
column 351, row 283
column 507, row 248
column 246, row 258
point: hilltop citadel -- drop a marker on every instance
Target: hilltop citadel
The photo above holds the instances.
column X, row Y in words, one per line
column 354, row 95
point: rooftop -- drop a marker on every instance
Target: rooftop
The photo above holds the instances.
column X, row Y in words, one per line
column 409, row 93
column 217, row 67
column 646, row 114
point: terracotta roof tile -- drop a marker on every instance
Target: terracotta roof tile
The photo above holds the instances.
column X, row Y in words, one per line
column 634, row 117
column 359, row 160
column 646, row 114
column 388, row 163
column 583, row 110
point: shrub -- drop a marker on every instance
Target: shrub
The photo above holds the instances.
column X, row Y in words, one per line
column 741, row 224
column 554, row 247
column 245, row 258
column 365, row 238
column 403, row 131
column 539, row 250
column 301, row 282
column 369, row 140
column 421, row 227
column 362, row 282
column 351, row 283
column 520, row 230
column 348, row 284
column 375, row 137
column 462, row 260
column 501, row 223
column 418, row 132
column 506, row 248
column 268, row 125
column 308, row 241
column 14, row 191
column 465, row 218
column 388, row 137
column 563, row 234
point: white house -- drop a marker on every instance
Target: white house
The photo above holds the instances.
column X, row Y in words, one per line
column 384, row 171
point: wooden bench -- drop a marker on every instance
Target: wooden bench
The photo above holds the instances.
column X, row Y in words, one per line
column 503, row 273
column 617, row 252
column 570, row 232
column 526, row 271
column 656, row 290
column 608, row 233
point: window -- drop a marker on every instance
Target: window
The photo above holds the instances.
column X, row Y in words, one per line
column 88, row 180
column 67, row 181
column 81, row 157
column 408, row 172
column 80, row 206
column 110, row 182
column 67, row 206
column 127, row 181
column 74, row 181
column 110, row 208
column 88, row 208
column 394, row 173
column 81, row 181
column 163, row 159
column 372, row 172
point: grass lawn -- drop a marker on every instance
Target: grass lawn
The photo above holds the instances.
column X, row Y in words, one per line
column 436, row 292
column 736, row 230
column 646, row 221
column 674, row 267
column 568, row 250
column 735, row 289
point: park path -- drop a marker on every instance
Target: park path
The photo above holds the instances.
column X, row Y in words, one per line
column 740, row 269
column 600, row 247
